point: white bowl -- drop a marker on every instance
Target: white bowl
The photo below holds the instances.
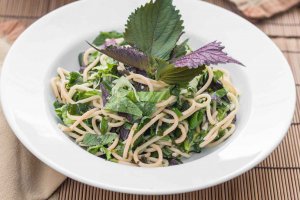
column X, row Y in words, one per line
column 266, row 85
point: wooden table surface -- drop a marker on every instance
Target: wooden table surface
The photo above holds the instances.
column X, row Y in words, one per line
column 277, row 177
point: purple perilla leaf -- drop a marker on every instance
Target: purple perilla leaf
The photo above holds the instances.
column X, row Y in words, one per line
column 211, row 53
column 127, row 55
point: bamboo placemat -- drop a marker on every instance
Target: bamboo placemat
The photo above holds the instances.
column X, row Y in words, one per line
column 277, row 177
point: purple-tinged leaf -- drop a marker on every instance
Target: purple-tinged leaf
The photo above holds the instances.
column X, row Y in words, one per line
column 211, row 53
column 109, row 42
column 234, row 119
column 105, row 93
column 214, row 97
column 136, row 70
column 174, row 161
column 124, row 133
column 127, row 55
column 82, row 68
column 127, row 116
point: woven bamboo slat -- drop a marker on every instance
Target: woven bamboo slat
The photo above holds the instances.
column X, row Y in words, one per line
column 287, row 25
column 284, row 25
column 287, row 154
column 24, row 21
column 55, row 4
column 259, row 183
column 27, row 8
column 296, row 119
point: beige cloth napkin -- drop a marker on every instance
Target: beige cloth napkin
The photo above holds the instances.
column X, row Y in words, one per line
column 22, row 176
column 263, row 8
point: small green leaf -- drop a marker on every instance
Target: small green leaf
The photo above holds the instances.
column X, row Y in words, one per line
column 108, row 138
column 167, row 153
column 119, row 149
column 103, row 125
column 100, row 39
column 94, row 149
column 107, row 152
column 74, row 78
column 154, row 97
column 80, row 59
column 148, row 108
column 221, row 92
column 101, row 140
column 166, row 138
column 217, row 75
column 77, row 109
column 222, row 109
column 124, row 105
column 90, row 140
column 56, row 104
column 177, row 111
column 64, row 115
column 85, row 94
column 143, row 122
column 221, row 133
column 93, row 56
column 180, row 50
column 196, row 119
column 97, row 148
column 154, row 28
column 123, row 87
column 73, row 109
column 176, row 75
column 193, row 84
column 191, row 144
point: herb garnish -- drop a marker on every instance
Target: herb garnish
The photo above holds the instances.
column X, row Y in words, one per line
column 152, row 31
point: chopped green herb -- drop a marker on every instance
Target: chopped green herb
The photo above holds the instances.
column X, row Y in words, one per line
column 102, row 140
column 217, row 75
column 86, row 94
column 177, row 111
column 196, row 119
column 75, row 78
column 103, row 125
column 123, row 105
column 100, row 39
column 221, row 92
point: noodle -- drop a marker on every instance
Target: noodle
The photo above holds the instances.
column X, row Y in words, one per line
column 213, row 132
column 210, row 78
column 129, row 140
column 83, row 117
column 150, row 123
column 95, row 127
column 142, row 79
column 183, row 134
column 175, row 123
column 114, row 144
column 227, row 134
column 89, row 67
column 156, row 163
column 86, row 55
column 54, row 89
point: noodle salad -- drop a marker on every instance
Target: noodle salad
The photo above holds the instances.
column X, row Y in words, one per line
column 142, row 97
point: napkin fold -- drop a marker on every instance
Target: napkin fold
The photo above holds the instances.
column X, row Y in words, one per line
column 22, row 176
column 263, row 8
